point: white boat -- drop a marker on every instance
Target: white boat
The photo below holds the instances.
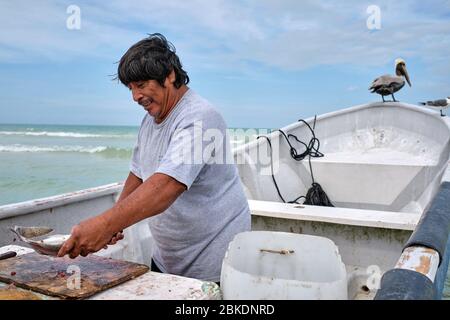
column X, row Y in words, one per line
column 385, row 169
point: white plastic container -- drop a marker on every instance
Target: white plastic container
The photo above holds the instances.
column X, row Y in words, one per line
column 280, row 265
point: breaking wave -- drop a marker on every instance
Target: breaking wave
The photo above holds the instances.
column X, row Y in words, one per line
column 62, row 134
column 101, row 150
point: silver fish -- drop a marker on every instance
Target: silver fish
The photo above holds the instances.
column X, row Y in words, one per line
column 34, row 237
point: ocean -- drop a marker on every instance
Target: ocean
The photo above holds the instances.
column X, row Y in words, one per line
column 43, row 160
column 38, row 161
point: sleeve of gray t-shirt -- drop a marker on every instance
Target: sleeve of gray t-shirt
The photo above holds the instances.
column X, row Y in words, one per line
column 134, row 167
column 188, row 153
column 134, row 160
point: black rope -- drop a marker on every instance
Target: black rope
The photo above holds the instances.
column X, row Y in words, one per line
column 271, row 168
column 315, row 195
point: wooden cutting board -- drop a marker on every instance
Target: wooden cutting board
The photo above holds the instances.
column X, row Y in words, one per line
column 54, row 276
column 17, row 294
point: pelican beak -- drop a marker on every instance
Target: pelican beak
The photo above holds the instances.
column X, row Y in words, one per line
column 405, row 73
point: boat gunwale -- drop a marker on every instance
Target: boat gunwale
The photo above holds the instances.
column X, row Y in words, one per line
column 295, row 125
column 35, row 205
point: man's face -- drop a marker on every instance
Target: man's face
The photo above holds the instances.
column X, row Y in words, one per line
column 154, row 98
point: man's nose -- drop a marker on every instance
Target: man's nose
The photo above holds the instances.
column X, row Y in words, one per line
column 136, row 95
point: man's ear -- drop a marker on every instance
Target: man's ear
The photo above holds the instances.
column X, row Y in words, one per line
column 171, row 77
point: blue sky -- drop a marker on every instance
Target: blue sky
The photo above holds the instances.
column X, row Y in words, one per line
column 262, row 63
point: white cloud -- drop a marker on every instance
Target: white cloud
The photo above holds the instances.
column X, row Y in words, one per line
column 38, row 31
column 217, row 34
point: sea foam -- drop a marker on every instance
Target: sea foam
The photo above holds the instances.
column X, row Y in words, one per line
column 102, row 150
column 27, row 148
column 61, row 134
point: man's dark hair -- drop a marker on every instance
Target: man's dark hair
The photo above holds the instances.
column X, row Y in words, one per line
column 152, row 58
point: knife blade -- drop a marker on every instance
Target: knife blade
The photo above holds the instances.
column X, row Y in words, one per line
column 7, row 255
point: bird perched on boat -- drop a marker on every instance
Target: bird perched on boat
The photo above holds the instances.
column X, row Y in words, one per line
column 389, row 84
column 438, row 104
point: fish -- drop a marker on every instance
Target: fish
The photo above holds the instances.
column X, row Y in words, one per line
column 34, row 237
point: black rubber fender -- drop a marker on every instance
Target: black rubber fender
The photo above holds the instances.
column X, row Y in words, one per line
column 432, row 231
column 403, row 284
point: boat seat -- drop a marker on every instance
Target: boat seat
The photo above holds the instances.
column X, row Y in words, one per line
column 367, row 218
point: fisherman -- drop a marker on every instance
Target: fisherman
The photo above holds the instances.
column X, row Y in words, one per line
column 196, row 206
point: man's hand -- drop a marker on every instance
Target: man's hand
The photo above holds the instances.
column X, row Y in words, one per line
column 117, row 237
column 151, row 197
column 88, row 236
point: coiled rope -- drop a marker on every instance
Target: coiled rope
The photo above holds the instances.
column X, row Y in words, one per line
column 315, row 196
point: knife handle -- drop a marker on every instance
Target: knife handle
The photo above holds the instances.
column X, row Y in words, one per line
column 7, row 255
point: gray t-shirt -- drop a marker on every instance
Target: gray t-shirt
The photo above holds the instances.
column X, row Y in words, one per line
column 191, row 145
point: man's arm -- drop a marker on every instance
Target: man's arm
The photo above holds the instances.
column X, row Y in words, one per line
column 131, row 184
column 151, row 197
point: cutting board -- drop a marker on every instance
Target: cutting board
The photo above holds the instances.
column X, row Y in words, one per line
column 58, row 276
column 17, row 294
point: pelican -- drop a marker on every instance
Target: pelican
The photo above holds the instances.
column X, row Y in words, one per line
column 389, row 84
column 438, row 104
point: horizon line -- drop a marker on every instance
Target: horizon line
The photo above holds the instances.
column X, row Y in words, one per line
column 106, row 125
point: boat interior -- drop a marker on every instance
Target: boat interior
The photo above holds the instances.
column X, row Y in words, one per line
column 376, row 157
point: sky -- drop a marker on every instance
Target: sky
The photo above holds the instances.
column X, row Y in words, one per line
column 263, row 64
